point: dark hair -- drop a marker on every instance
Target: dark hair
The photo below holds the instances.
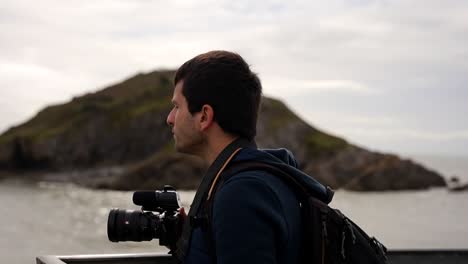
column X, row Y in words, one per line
column 224, row 81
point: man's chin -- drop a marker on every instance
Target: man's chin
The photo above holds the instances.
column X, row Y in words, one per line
column 185, row 150
column 182, row 149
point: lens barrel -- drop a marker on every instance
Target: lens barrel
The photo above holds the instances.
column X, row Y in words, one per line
column 129, row 225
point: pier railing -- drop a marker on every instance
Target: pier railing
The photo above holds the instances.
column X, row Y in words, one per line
column 394, row 257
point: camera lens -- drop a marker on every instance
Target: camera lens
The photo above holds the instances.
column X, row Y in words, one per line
column 128, row 225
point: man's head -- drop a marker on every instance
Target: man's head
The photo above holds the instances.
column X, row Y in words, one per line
column 223, row 82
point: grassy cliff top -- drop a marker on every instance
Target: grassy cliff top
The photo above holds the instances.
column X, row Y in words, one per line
column 121, row 102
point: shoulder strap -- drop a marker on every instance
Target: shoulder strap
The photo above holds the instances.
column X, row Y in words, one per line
column 234, row 168
column 301, row 190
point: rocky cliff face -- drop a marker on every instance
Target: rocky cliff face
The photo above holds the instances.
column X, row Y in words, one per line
column 124, row 125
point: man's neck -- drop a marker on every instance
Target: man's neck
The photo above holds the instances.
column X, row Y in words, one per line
column 215, row 147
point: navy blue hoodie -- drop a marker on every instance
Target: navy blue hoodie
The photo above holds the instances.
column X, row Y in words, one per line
column 256, row 216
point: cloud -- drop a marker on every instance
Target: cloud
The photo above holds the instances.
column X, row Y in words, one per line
column 7, row 68
column 276, row 86
column 340, row 119
column 408, row 134
column 409, row 140
column 384, row 126
column 360, row 58
column 395, row 133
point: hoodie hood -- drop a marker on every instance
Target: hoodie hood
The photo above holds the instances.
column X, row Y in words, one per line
column 283, row 159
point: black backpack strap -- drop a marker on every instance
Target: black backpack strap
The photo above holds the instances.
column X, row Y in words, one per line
column 236, row 168
column 300, row 189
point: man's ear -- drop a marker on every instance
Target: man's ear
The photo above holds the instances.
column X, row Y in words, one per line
column 207, row 117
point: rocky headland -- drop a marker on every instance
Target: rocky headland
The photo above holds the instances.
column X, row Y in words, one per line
column 117, row 138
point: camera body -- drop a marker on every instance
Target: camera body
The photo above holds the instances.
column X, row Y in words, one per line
column 161, row 216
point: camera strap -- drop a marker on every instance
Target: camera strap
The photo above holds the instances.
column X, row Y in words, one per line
column 204, row 190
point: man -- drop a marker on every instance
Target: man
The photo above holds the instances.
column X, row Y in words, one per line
column 246, row 217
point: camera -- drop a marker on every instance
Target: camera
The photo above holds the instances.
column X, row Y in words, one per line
column 161, row 217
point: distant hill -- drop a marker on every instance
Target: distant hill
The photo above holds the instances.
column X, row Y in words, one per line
column 118, row 138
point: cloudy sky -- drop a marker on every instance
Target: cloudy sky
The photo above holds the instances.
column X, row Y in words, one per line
column 387, row 75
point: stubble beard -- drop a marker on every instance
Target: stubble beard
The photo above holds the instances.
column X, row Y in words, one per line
column 193, row 146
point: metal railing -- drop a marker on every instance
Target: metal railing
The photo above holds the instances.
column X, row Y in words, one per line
column 394, row 257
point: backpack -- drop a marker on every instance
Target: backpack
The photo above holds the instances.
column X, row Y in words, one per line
column 329, row 237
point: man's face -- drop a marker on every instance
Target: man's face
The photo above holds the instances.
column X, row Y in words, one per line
column 185, row 126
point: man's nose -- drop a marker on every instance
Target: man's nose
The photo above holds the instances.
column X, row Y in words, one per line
column 170, row 119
